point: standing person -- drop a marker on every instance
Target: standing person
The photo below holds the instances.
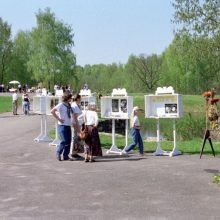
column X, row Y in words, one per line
column 92, row 142
column 77, row 146
column 62, row 112
column 15, row 102
column 136, row 136
column 25, row 103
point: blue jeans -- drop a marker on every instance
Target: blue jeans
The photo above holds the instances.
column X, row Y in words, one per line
column 137, row 139
column 65, row 138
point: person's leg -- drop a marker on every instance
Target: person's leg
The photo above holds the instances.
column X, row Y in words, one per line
column 134, row 139
column 140, row 143
column 67, row 136
column 60, row 147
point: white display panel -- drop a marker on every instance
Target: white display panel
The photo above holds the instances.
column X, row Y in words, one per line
column 44, row 104
column 163, row 106
column 51, row 101
column 85, row 100
column 116, row 107
column 39, row 104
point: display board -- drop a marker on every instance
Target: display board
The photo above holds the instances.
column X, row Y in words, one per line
column 163, row 106
column 116, row 107
column 39, row 104
column 44, row 104
column 85, row 100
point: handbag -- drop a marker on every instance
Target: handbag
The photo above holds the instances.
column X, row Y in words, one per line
column 83, row 134
column 84, row 131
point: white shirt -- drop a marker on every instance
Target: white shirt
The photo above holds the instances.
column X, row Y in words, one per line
column 136, row 121
column 76, row 110
column 91, row 118
column 62, row 113
column 14, row 97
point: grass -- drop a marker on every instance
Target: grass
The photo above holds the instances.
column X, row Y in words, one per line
column 186, row 147
column 6, row 103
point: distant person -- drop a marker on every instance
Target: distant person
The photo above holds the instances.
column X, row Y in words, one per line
column 19, row 88
column 92, row 142
column 63, row 112
column 136, row 136
column 25, row 103
column 15, row 102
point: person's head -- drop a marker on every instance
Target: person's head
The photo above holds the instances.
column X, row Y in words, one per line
column 92, row 106
column 77, row 98
column 67, row 96
column 135, row 110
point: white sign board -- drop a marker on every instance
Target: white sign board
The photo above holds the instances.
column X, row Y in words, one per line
column 163, row 106
column 116, row 107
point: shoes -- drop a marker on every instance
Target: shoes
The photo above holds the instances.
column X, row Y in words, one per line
column 92, row 160
column 124, row 152
column 86, row 160
column 68, row 159
column 77, row 156
column 58, row 157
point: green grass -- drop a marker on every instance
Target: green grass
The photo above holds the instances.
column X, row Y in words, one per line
column 6, row 103
column 186, row 147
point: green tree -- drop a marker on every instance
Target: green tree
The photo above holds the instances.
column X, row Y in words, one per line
column 52, row 60
column 20, row 58
column 144, row 71
column 6, row 45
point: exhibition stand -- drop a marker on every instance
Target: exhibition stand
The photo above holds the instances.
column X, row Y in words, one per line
column 117, row 106
column 164, row 104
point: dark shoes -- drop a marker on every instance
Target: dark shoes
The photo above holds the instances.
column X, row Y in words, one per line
column 68, row 159
column 77, row 157
column 58, row 157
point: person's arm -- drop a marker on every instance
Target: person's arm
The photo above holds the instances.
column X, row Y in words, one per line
column 96, row 119
column 53, row 112
column 76, row 124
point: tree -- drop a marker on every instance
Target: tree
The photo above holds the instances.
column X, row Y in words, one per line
column 197, row 17
column 52, row 60
column 20, row 58
column 5, row 49
column 145, row 69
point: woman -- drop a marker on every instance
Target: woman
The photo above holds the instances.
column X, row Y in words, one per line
column 77, row 146
column 62, row 112
column 92, row 142
column 136, row 136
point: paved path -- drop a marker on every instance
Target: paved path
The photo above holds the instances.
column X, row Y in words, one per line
column 34, row 185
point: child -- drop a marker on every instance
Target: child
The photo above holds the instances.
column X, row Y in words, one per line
column 136, row 136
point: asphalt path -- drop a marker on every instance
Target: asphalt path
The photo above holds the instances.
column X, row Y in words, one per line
column 34, row 185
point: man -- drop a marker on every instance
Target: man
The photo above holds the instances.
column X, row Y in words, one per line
column 15, row 102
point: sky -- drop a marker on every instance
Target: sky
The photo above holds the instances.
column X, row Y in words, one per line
column 105, row 31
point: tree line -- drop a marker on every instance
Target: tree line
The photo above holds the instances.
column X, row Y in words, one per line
column 45, row 55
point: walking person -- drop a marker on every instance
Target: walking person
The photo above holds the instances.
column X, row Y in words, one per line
column 77, row 145
column 25, row 103
column 15, row 102
column 92, row 142
column 63, row 112
column 136, row 136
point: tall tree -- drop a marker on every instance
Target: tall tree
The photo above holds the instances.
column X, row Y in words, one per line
column 197, row 17
column 5, row 49
column 52, row 60
column 146, row 69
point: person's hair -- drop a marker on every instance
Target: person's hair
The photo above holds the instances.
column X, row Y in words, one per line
column 76, row 97
column 66, row 96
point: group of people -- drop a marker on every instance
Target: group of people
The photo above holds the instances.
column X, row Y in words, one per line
column 71, row 120
column 25, row 103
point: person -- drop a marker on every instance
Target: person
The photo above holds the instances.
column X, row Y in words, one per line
column 77, row 146
column 25, row 103
column 63, row 112
column 136, row 136
column 92, row 142
column 15, row 102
